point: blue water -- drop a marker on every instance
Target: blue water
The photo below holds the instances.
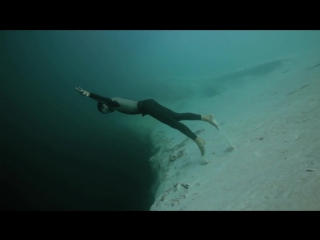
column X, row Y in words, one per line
column 60, row 153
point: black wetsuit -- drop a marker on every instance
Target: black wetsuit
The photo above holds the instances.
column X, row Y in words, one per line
column 152, row 108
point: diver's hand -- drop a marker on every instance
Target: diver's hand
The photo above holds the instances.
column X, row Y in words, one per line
column 83, row 92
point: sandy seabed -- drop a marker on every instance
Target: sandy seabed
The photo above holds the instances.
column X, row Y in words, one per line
column 273, row 123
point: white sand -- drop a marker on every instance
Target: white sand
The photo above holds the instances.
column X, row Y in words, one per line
column 273, row 122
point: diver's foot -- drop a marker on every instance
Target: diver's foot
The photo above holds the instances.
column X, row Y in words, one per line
column 210, row 119
column 200, row 144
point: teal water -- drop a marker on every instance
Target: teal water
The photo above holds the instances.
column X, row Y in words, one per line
column 60, row 153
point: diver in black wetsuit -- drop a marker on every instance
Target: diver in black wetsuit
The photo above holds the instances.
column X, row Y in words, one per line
column 155, row 110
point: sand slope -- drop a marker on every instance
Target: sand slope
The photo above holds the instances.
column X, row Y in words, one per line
column 273, row 122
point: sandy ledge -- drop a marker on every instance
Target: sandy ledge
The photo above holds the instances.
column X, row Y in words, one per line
column 273, row 122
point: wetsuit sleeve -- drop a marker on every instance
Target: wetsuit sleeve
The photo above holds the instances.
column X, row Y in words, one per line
column 108, row 101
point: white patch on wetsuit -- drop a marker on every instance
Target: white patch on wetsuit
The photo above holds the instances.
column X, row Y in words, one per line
column 126, row 105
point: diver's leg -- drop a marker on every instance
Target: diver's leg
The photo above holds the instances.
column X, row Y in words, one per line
column 200, row 142
column 191, row 116
column 210, row 119
column 168, row 117
column 186, row 131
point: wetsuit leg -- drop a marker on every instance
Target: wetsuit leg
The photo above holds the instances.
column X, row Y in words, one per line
column 187, row 116
column 170, row 117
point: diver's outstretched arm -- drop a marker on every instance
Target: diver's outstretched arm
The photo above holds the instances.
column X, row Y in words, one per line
column 83, row 92
column 108, row 101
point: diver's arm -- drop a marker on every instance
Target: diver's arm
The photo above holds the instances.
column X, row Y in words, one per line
column 98, row 98
column 105, row 100
column 83, row 92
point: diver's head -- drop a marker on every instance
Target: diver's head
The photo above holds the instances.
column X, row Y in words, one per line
column 103, row 108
